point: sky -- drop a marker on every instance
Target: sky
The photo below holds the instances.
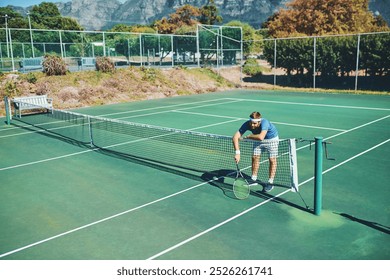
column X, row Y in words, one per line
column 27, row 3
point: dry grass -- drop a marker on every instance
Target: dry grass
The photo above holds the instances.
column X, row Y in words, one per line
column 89, row 88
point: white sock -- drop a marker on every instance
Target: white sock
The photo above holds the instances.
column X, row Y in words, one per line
column 254, row 177
column 271, row 180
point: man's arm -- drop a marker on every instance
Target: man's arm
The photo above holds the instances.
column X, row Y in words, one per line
column 236, row 145
column 260, row 136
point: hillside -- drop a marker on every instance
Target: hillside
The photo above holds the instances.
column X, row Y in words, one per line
column 90, row 88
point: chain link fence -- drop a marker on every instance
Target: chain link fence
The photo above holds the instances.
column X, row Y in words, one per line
column 211, row 46
column 358, row 61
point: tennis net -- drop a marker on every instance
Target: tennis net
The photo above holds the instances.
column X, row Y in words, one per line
column 187, row 151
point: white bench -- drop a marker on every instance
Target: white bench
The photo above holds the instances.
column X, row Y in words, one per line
column 87, row 62
column 32, row 102
column 27, row 64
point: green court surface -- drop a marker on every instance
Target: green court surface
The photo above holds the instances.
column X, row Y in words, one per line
column 62, row 200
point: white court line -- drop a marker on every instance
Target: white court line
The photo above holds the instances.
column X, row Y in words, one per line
column 111, row 217
column 167, row 106
column 102, row 220
column 170, row 111
column 177, row 193
column 243, row 119
column 95, row 149
column 141, row 110
column 216, row 226
column 312, row 104
column 127, row 117
column 256, row 206
column 358, row 127
column 347, row 160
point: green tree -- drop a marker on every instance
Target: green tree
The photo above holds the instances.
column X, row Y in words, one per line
column 209, row 14
column 47, row 16
column 251, row 39
column 121, row 28
column 14, row 19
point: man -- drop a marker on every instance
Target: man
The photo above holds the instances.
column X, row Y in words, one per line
column 267, row 138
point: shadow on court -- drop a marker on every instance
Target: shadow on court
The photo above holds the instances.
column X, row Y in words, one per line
column 222, row 179
column 373, row 225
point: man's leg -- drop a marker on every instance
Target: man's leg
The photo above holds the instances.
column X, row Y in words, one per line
column 255, row 166
column 272, row 169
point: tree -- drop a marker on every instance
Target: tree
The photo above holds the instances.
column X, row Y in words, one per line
column 47, row 16
column 251, row 40
column 209, row 14
column 320, row 17
column 185, row 16
column 14, row 20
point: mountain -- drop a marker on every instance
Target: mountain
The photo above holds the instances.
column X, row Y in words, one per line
column 103, row 14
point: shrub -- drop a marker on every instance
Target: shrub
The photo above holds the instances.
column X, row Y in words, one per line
column 31, row 78
column 11, row 89
column 150, row 74
column 252, row 67
column 54, row 65
column 105, row 65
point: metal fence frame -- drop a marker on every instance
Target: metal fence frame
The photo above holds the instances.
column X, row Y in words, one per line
column 143, row 49
column 149, row 49
column 315, row 55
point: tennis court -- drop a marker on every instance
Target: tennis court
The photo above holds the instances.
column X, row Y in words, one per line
column 61, row 199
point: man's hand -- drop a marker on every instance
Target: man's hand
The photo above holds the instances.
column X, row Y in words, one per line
column 237, row 158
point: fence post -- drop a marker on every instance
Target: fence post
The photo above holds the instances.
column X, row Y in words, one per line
column 314, row 61
column 7, row 110
column 357, row 62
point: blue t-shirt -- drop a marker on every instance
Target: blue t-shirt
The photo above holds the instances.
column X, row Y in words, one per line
column 264, row 125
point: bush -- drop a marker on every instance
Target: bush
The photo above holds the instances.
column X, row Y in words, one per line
column 252, row 67
column 150, row 74
column 11, row 89
column 31, row 78
column 54, row 65
column 105, row 65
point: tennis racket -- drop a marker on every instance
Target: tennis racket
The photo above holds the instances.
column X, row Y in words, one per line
column 241, row 188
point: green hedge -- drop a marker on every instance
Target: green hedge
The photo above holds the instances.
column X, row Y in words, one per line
column 335, row 56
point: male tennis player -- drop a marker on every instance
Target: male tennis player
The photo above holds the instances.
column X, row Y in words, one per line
column 268, row 140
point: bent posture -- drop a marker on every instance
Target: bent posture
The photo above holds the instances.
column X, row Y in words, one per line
column 267, row 138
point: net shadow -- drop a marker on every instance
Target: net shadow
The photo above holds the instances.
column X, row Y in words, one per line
column 221, row 178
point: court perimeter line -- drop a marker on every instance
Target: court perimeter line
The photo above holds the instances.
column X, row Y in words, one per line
column 312, row 104
column 161, row 199
column 243, row 119
column 103, row 220
column 216, row 226
column 257, row 205
column 172, row 195
column 95, row 149
column 163, row 107
column 357, row 127
column 160, row 112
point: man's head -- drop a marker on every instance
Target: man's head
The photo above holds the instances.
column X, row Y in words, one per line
column 254, row 120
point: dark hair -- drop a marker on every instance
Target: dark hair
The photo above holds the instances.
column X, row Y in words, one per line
column 255, row 115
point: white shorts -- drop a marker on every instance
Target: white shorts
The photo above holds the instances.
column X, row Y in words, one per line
column 267, row 145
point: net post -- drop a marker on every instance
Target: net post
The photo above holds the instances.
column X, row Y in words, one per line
column 318, row 175
column 90, row 131
column 293, row 165
column 7, row 110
